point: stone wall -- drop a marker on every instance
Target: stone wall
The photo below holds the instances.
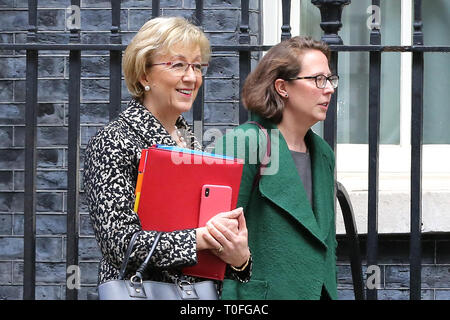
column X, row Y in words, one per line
column 393, row 261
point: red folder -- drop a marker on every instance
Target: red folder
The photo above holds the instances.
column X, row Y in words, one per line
column 171, row 190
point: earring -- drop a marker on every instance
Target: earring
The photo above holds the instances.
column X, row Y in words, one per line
column 147, row 88
column 286, row 95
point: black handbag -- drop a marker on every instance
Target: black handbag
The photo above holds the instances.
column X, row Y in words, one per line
column 137, row 289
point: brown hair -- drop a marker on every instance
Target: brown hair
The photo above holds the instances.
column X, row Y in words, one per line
column 280, row 62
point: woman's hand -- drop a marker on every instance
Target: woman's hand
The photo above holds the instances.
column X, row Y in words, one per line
column 228, row 218
column 230, row 241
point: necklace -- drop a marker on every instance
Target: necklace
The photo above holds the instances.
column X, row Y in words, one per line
column 179, row 139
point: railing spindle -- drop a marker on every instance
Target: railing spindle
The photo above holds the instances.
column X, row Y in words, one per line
column 415, row 255
column 198, row 107
column 244, row 56
column 286, row 27
column 374, row 141
column 115, row 64
column 331, row 13
column 73, row 163
column 29, row 236
column 155, row 8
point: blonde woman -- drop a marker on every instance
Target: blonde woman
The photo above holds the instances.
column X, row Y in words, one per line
column 163, row 67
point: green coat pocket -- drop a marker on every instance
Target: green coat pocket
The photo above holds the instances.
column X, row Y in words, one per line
column 252, row 290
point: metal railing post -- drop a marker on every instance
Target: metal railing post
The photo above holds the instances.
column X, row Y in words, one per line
column 31, row 111
column 331, row 13
column 199, row 103
column 415, row 255
column 286, row 27
column 244, row 56
column 73, row 164
column 374, row 142
column 115, row 64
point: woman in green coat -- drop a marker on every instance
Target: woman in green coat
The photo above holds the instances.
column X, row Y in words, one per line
column 289, row 204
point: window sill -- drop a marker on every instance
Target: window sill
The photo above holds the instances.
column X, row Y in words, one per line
column 394, row 202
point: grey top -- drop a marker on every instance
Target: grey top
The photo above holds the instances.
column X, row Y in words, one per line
column 303, row 163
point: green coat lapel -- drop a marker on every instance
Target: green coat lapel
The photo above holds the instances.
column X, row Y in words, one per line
column 285, row 189
column 323, row 183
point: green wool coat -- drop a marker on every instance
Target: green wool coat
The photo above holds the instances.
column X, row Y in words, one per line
column 293, row 245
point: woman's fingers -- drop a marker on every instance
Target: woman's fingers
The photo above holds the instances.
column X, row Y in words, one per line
column 231, row 224
column 220, row 232
column 233, row 214
column 211, row 241
column 242, row 225
column 229, row 219
column 230, row 236
column 235, row 246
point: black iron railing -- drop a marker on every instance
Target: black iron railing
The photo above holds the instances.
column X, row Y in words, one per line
column 331, row 23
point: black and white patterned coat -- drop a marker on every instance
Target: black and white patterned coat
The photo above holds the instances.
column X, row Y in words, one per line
column 110, row 174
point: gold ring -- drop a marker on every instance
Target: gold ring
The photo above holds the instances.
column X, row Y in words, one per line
column 220, row 249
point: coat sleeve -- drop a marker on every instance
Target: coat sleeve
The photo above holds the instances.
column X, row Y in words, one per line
column 109, row 179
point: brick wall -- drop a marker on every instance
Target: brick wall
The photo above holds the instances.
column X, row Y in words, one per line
column 393, row 260
column 221, row 23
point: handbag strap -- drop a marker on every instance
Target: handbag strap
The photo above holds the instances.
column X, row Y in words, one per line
column 266, row 158
column 124, row 265
column 143, row 266
column 128, row 253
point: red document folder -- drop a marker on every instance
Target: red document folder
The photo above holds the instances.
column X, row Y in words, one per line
column 170, row 194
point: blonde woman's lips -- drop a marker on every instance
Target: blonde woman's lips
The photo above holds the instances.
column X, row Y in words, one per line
column 187, row 92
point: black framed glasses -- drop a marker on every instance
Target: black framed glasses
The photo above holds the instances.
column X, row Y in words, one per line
column 179, row 68
column 321, row 80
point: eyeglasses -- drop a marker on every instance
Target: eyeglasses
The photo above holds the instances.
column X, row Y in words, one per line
column 180, row 68
column 321, row 80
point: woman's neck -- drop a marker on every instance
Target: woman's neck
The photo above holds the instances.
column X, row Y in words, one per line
column 165, row 117
column 294, row 134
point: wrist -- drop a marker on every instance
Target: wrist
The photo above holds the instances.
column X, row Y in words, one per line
column 243, row 266
column 200, row 241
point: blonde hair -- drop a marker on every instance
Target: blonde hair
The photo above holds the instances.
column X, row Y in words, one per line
column 158, row 36
column 280, row 62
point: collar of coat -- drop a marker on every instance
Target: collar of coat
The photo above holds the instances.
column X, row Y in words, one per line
column 283, row 186
column 146, row 125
